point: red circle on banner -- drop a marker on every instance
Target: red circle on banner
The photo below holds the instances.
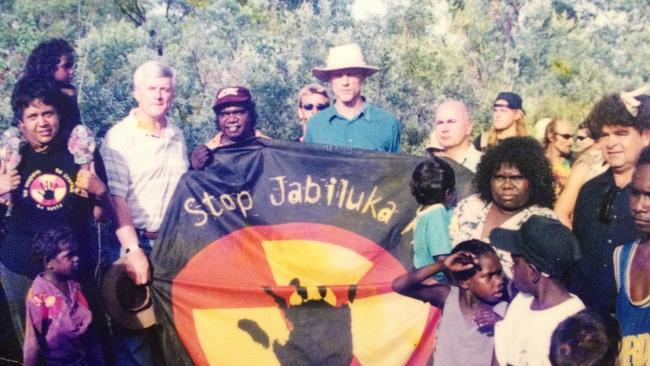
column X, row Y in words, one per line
column 227, row 279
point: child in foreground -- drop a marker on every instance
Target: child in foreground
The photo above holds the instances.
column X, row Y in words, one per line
column 469, row 309
column 587, row 338
column 58, row 330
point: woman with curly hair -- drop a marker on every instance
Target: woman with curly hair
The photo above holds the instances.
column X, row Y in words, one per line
column 514, row 182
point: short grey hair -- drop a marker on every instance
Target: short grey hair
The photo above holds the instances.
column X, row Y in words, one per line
column 153, row 69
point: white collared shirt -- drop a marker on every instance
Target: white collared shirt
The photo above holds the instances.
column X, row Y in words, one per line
column 471, row 159
column 144, row 168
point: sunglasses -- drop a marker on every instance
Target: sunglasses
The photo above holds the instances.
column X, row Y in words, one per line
column 320, row 107
column 580, row 137
column 566, row 136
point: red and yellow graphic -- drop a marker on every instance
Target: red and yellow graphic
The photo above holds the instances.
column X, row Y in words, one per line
column 48, row 189
column 264, row 295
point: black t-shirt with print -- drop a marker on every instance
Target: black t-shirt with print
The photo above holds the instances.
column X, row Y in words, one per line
column 45, row 199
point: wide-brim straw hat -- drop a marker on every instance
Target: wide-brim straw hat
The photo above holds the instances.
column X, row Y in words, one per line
column 125, row 302
column 347, row 56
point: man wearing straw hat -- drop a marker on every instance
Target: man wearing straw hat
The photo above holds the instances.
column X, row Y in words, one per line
column 350, row 121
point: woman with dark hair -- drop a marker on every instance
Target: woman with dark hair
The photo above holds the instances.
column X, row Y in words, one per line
column 588, row 164
column 584, row 140
column 514, row 182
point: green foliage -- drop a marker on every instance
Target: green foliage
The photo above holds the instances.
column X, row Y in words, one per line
column 559, row 55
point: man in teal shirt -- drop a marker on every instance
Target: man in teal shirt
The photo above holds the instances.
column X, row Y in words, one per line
column 350, row 121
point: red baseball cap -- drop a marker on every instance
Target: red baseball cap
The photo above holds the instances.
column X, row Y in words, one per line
column 230, row 95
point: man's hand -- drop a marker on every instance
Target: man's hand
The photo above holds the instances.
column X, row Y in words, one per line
column 200, row 157
column 88, row 181
column 137, row 266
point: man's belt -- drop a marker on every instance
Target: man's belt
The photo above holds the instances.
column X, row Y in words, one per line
column 151, row 235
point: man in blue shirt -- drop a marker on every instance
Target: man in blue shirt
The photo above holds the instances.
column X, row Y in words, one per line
column 602, row 218
column 351, row 122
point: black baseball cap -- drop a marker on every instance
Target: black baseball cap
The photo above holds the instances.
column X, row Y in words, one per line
column 514, row 100
column 544, row 242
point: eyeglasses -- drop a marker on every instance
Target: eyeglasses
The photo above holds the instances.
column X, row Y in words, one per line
column 580, row 137
column 320, row 107
column 566, row 136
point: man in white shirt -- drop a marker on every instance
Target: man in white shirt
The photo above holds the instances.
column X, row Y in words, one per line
column 452, row 129
column 145, row 156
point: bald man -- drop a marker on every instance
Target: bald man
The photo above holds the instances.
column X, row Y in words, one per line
column 451, row 134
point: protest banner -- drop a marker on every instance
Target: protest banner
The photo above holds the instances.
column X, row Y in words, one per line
column 282, row 253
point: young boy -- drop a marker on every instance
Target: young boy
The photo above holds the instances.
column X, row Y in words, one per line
column 469, row 310
column 543, row 251
column 432, row 185
column 632, row 271
column 58, row 329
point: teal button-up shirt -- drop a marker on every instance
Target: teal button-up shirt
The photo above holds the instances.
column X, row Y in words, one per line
column 372, row 129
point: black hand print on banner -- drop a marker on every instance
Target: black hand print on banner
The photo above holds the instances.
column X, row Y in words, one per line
column 319, row 332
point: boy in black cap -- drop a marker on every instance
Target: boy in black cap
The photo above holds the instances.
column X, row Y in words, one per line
column 543, row 251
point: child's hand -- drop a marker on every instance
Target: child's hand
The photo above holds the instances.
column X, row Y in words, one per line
column 485, row 320
column 460, row 261
column 9, row 180
column 88, row 181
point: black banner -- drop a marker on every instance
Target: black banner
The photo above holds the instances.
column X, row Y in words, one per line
column 283, row 253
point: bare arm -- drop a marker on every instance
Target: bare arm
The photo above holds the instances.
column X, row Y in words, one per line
column 411, row 284
column 566, row 202
column 137, row 264
column 88, row 181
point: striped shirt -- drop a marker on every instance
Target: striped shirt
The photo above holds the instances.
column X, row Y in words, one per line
column 372, row 129
column 144, row 168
